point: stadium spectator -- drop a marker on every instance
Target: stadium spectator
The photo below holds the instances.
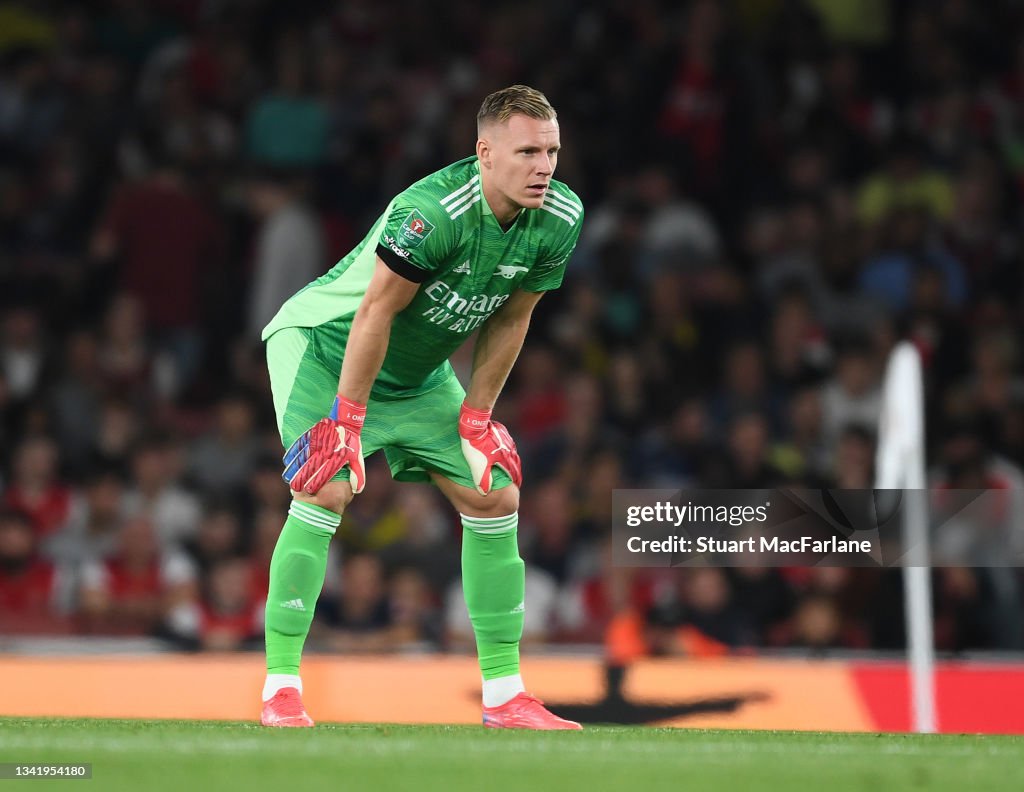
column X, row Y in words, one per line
column 359, row 618
column 702, row 605
column 746, row 462
column 289, row 246
column 905, row 182
column 767, row 598
column 548, row 532
column 540, row 395
column 817, row 625
column 679, row 454
column 854, row 459
column 222, row 459
column 230, row 608
column 287, row 126
column 118, row 430
column 598, row 595
column 904, row 253
column 36, row 487
column 803, row 455
column 94, row 521
column 126, row 361
column 262, row 537
column 139, row 589
column 156, row 493
column 218, row 538
column 426, row 546
column 75, row 400
column 23, row 352
column 415, row 611
column 169, row 247
column 34, row 593
column 745, row 387
column 852, row 396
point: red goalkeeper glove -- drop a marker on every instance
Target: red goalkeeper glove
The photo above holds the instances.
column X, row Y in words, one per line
column 324, row 449
column 485, row 444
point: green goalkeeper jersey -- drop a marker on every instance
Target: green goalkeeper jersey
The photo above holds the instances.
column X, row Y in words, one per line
column 441, row 233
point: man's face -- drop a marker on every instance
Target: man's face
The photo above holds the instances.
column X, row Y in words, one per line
column 519, row 158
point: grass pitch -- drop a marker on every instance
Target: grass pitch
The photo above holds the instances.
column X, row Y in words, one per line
column 211, row 755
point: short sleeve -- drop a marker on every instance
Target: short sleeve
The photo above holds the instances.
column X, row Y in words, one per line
column 547, row 274
column 416, row 238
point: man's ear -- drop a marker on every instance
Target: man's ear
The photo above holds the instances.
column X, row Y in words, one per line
column 483, row 152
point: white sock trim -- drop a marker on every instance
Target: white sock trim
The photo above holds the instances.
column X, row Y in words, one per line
column 503, row 689
column 312, row 517
column 487, row 520
column 321, row 515
column 508, row 529
column 490, row 526
column 276, row 682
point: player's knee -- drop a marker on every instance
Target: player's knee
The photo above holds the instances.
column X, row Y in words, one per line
column 496, row 503
column 333, row 496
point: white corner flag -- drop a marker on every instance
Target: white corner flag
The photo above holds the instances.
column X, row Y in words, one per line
column 899, row 464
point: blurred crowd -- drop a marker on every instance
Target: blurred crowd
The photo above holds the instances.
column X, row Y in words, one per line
column 777, row 191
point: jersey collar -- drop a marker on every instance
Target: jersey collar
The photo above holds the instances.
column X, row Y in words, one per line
column 485, row 208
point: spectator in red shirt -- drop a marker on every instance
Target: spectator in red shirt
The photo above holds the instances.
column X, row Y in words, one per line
column 35, row 487
column 230, row 612
column 140, row 589
column 167, row 242
column 695, row 106
column 33, row 592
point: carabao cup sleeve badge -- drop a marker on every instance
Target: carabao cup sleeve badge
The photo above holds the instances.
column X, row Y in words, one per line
column 415, row 229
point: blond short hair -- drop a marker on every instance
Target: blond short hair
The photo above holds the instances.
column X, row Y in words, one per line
column 516, row 99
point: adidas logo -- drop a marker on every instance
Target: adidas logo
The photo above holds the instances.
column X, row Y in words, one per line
column 293, row 604
column 520, row 608
column 463, row 268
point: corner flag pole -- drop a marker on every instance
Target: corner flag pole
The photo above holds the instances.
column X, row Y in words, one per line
column 900, row 465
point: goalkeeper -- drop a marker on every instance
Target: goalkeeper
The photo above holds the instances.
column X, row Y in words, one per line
column 471, row 247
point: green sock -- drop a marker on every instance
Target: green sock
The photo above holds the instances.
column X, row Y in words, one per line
column 297, row 571
column 494, row 582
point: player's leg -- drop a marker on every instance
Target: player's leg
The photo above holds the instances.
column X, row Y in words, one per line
column 494, row 584
column 297, row 571
column 425, row 443
column 303, row 391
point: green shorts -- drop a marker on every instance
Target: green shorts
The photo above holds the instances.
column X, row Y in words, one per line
column 419, row 434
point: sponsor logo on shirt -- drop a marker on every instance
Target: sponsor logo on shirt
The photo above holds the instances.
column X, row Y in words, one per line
column 391, row 243
column 415, row 229
column 458, row 312
column 510, row 270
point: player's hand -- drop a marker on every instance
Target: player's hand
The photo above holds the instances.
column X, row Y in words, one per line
column 485, row 444
column 324, row 449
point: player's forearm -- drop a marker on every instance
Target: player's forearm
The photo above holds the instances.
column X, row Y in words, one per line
column 497, row 348
column 385, row 297
column 365, row 351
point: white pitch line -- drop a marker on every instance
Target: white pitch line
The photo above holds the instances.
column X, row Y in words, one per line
column 385, row 746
